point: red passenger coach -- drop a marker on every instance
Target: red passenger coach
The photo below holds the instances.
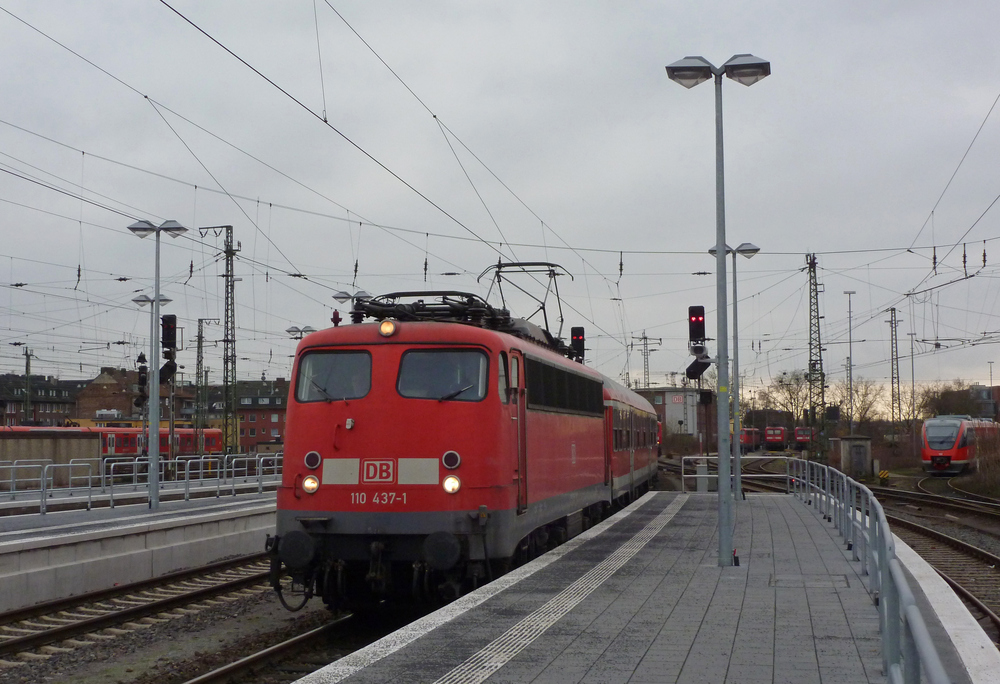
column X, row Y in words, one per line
column 440, row 445
column 950, row 444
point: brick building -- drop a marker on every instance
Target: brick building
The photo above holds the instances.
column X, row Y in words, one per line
column 111, row 396
column 51, row 402
column 260, row 407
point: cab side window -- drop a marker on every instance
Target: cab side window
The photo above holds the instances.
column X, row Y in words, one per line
column 503, row 386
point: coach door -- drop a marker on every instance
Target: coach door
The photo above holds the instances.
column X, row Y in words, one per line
column 519, row 399
column 630, row 431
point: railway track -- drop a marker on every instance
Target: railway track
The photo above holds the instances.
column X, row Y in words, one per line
column 81, row 621
column 973, row 573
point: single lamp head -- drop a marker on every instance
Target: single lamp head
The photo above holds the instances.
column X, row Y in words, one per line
column 747, row 69
column 173, row 228
column 142, row 228
column 690, row 71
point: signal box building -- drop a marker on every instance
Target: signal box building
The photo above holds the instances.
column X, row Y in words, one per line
column 680, row 411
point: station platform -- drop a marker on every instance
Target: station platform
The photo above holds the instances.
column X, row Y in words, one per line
column 641, row 598
column 69, row 552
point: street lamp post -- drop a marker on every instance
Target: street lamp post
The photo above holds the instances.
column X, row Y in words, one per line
column 344, row 297
column 143, row 229
column 746, row 249
column 298, row 333
column 850, row 361
column 689, row 72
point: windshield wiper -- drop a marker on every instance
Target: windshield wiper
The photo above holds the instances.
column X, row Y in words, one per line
column 452, row 395
column 322, row 390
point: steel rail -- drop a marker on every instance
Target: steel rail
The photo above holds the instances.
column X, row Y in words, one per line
column 244, row 665
column 117, row 617
column 71, row 602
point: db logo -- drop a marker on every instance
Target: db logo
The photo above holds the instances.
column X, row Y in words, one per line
column 377, row 471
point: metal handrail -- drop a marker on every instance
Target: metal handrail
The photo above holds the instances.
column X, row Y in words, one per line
column 69, row 467
column 32, row 477
column 201, row 460
column 907, row 647
column 27, row 464
column 713, row 476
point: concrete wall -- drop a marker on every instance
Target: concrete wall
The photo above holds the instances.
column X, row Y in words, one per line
column 46, row 446
column 41, row 570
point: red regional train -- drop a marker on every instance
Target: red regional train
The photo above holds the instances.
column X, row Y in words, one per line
column 125, row 441
column 775, row 438
column 441, row 445
column 949, row 444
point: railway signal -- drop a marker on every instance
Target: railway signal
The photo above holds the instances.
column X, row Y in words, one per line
column 140, row 400
column 577, row 341
column 168, row 323
column 696, row 323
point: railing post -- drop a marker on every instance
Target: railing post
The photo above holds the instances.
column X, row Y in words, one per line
column 889, row 600
column 41, row 486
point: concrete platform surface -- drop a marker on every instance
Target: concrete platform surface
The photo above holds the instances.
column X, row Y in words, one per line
column 641, row 599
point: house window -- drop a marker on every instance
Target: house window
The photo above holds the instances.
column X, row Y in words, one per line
column 246, row 400
column 265, row 401
column 242, row 417
column 253, row 432
column 277, row 402
column 253, row 417
column 242, row 432
column 274, row 417
column 274, row 432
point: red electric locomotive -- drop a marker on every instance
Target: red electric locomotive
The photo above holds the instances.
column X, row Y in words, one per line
column 775, row 438
column 749, row 440
column 442, row 444
column 804, row 436
column 950, row 444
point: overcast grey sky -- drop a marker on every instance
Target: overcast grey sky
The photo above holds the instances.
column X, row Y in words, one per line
column 463, row 132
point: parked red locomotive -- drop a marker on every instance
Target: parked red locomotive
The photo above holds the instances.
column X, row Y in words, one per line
column 950, row 444
column 749, row 440
column 442, row 444
column 775, row 438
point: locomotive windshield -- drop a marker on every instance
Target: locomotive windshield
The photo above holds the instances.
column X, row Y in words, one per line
column 941, row 436
column 333, row 376
column 443, row 374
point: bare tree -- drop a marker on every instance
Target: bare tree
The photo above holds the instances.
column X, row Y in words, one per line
column 939, row 399
column 789, row 392
column 869, row 399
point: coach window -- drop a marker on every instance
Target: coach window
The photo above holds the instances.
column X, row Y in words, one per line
column 443, row 374
column 334, row 376
column 503, row 388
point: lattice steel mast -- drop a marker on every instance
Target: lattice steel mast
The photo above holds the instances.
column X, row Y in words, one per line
column 815, row 376
column 897, row 405
column 229, row 425
column 646, row 351
column 229, row 433
column 201, row 386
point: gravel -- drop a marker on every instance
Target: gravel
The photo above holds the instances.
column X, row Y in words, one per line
column 175, row 650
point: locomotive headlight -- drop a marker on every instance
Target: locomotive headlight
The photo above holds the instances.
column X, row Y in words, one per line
column 310, row 483
column 451, row 484
column 387, row 328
